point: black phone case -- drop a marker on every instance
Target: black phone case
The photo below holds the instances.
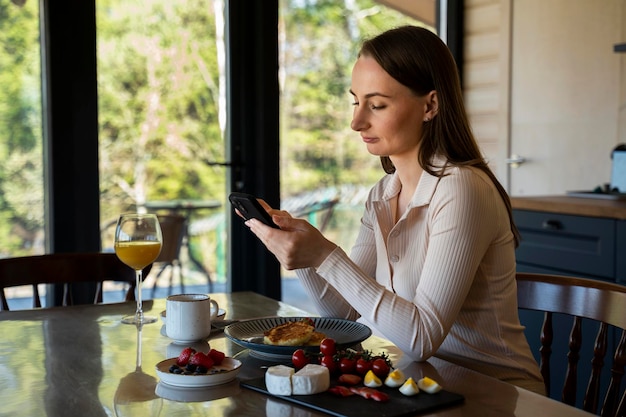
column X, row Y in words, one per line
column 249, row 208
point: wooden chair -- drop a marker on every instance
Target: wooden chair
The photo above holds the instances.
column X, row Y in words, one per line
column 599, row 301
column 173, row 229
column 66, row 269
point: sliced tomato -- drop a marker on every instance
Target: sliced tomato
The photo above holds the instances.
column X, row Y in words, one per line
column 379, row 396
column 340, row 391
column 350, row 379
column 370, row 393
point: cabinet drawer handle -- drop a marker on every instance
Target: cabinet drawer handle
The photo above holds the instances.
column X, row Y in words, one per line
column 551, row 225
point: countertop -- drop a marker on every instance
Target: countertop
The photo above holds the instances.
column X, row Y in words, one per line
column 578, row 206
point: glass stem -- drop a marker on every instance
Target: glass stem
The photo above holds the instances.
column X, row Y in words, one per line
column 139, row 312
column 138, row 365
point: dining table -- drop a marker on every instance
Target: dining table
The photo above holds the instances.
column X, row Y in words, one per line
column 83, row 361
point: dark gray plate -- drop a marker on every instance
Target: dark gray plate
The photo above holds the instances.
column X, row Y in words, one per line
column 249, row 334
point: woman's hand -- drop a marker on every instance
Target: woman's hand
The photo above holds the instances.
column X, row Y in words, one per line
column 297, row 244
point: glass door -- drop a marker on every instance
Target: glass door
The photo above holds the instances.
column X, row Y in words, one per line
column 21, row 140
column 22, row 231
column 161, row 99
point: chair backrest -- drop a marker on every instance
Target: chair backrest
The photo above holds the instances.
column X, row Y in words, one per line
column 580, row 298
column 173, row 231
column 66, row 269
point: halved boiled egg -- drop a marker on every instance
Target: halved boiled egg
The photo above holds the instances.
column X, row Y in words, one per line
column 371, row 380
column 395, row 378
column 409, row 387
column 428, row 385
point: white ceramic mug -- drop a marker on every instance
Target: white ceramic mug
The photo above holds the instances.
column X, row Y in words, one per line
column 188, row 317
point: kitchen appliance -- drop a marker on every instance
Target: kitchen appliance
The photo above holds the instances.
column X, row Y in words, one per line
column 618, row 170
column 616, row 189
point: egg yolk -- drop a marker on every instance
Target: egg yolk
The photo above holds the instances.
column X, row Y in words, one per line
column 395, row 379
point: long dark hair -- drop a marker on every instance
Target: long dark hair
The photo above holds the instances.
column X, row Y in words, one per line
column 419, row 60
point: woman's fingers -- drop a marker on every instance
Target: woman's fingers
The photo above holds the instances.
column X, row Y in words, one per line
column 273, row 211
column 297, row 244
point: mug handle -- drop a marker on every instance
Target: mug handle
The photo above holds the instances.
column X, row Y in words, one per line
column 215, row 312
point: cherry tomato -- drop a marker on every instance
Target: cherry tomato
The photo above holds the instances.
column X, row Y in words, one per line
column 347, row 365
column 329, row 362
column 380, row 367
column 362, row 366
column 299, row 358
column 328, row 347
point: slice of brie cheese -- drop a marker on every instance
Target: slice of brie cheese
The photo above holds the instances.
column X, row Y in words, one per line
column 278, row 380
column 311, row 379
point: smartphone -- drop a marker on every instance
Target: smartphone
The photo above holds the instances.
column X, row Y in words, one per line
column 250, row 208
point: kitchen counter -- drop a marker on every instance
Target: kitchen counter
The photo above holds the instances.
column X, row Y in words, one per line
column 577, row 206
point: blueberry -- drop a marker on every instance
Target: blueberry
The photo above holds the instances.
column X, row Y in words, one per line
column 177, row 371
column 190, row 367
column 201, row 370
column 173, row 368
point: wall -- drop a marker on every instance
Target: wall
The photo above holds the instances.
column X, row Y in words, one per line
column 542, row 81
column 486, row 73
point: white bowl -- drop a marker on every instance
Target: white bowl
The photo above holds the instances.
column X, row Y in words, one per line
column 223, row 373
column 197, row 394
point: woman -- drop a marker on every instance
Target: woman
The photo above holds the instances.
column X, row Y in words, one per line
column 433, row 267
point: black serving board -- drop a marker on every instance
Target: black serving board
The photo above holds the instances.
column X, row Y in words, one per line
column 398, row 405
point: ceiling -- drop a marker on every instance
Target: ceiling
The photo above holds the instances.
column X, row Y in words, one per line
column 423, row 10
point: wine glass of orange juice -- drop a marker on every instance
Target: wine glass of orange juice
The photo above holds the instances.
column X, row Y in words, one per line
column 138, row 243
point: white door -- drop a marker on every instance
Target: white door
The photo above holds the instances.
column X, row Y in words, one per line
column 565, row 93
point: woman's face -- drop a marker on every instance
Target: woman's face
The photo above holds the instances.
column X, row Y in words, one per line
column 387, row 114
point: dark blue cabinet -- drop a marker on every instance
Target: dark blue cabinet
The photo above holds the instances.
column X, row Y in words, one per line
column 620, row 252
column 566, row 244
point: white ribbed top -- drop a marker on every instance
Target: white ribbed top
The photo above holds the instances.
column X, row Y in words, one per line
column 440, row 281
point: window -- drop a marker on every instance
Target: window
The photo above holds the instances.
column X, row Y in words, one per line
column 161, row 112
column 21, row 170
column 161, row 101
column 326, row 172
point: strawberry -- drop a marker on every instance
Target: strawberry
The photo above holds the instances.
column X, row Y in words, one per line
column 185, row 355
column 216, row 355
column 201, row 359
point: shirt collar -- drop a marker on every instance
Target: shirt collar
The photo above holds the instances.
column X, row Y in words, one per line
column 424, row 191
